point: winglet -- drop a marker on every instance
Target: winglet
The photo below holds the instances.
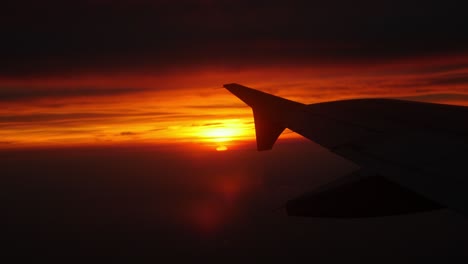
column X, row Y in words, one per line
column 270, row 113
column 248, row 95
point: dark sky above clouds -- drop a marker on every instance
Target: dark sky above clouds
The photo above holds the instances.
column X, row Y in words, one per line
column 53, row 37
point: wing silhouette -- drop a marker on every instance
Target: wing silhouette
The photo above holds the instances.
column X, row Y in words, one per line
column 412, row 155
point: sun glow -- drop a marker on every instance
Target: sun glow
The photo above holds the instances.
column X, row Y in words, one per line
column 56, row 111
column 224, row 132
column 221, row 148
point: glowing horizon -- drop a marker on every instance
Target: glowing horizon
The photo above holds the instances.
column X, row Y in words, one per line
column 193, row 107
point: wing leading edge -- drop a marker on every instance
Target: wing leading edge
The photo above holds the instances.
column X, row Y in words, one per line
column 413, row 153
column 270, row 113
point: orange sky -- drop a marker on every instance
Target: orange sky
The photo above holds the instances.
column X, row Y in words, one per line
column 191, row 106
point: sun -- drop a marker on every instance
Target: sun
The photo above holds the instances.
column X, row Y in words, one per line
column 222, row 134
column 221, row 148
column 225, row 133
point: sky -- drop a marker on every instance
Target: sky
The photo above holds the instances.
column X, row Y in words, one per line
column 128, row 72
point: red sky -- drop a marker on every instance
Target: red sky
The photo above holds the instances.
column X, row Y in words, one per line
column 101, row 72
column 192, row 106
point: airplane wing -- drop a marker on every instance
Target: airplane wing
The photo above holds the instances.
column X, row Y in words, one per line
column 412, row 155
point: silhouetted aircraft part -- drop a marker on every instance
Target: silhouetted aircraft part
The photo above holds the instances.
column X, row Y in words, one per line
column 368, row 196
column 267, row 131
column 419, row 150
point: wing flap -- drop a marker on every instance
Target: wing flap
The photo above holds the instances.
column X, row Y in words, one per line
column 443, row 182
column 358, row 195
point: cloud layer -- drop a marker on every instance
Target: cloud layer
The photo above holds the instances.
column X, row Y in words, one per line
column 99, row 71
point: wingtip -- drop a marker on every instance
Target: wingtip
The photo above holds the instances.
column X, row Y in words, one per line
column 230, row 86
column 238, row 89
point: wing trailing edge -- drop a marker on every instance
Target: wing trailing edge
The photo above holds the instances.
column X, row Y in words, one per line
column 359, row 195
column 271, row 113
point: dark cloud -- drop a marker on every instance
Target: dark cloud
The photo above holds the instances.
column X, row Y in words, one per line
column 63, row 117
column 18, row 93
column 439, row 68
column 129, row 133
column 218, row 106
column 64, row 37
column 446, row 80
column 213, row 124
column 156, row 129
column 208, row 124
column 45, row 119
column 452, row 79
